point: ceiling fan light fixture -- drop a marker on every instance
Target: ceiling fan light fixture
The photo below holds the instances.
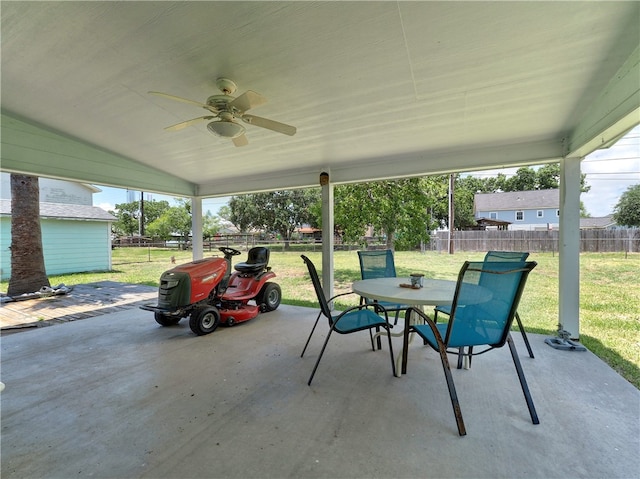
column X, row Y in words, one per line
column 225, row 129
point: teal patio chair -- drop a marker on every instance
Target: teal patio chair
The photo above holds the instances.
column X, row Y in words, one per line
column 497, row 256
column 380, row 264
column 354, row 319
column 481, row 316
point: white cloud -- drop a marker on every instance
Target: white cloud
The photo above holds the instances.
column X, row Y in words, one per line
column 610, row 172
column 106, row 206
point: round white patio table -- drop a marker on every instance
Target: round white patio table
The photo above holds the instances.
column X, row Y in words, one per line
column 435, row 292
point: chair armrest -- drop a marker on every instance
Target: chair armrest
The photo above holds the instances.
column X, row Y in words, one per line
column 365, row 306
column 338, row 295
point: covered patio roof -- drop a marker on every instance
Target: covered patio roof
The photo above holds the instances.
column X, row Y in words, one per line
column 375, row 89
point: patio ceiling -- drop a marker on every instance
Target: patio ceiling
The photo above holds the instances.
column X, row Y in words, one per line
column 375, row 89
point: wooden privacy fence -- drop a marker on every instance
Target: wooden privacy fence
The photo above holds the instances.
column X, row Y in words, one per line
column 591, row 240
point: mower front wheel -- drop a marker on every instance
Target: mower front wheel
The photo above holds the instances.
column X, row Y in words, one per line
column 204, row 320
column 166, row 319
column 269, row 297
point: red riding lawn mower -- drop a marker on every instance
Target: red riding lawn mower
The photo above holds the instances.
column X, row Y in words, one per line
column 207, row 292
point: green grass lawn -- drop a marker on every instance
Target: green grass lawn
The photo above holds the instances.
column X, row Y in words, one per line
column 609, row 285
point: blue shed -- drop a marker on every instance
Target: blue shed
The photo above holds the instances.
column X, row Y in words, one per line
column 75, row 238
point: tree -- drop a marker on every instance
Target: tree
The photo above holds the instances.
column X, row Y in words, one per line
column 128, row 216
column 224, row 212
column 210, row 225
column 173, row 220
column 627, row 210
column 524, row 180
column 28, row 273
column 399, row 210
column 548, row 176
column 463, row 198
column 279, row 211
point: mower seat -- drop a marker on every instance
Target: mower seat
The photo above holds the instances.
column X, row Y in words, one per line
column 257, row 261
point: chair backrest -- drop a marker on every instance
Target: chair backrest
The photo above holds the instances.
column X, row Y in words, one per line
column 324, row 305
column 377, row 264
column 485, row 302
column 506, row 256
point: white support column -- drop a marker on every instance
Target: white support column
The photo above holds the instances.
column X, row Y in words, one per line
column 569, row 248
column 327, row 234
column 196, row 227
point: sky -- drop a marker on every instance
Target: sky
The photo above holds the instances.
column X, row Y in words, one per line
column 609, row 173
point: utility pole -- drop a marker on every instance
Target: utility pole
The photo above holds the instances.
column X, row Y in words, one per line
column 141, row 222
column 451, row 213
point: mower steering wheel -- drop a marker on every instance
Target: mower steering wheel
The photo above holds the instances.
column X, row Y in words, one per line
column 229, row 251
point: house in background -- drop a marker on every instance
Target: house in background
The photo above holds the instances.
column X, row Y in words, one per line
column 521, row 210
column 76, row 236
column 598, row 223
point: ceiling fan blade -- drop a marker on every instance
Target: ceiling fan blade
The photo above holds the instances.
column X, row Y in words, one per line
column 178, row 98
column 246, row 101
column 269, row 124
column 240, row 140
column 184, row 124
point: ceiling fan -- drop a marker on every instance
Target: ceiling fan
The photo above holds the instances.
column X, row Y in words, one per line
column 226, row 110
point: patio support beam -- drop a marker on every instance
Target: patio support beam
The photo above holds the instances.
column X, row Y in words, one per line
column 31, row 149
column 569, row 247
column 196, row 228
column 327, row 234
column 613, row 113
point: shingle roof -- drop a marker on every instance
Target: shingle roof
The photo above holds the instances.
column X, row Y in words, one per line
column 598, row 222
column 64, row 211
column 517, row 200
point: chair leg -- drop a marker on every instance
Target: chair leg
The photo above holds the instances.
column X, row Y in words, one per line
column 524, row 335
column 311, row 334
column 373, row 348
column 393, row 363
column 442, row 350
column 523, row 381
column 324, row 346
column 405, row 341
column 452, row 389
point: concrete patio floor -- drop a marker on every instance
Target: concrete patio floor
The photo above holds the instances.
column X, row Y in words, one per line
column 118, row 396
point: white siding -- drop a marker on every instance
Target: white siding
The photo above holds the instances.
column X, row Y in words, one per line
column 54, row 191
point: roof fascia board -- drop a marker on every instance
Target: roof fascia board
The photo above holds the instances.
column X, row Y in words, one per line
column 31, row 149
column 398, row 166
column 615, row 111
column 444, row 162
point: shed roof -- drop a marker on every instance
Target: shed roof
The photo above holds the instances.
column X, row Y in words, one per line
column 64, row 211
column 597, row 222
column 516, row 200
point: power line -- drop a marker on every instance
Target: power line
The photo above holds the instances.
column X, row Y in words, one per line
column 594, row 160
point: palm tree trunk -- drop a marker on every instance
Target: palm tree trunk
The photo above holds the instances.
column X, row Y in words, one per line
column 28, row 273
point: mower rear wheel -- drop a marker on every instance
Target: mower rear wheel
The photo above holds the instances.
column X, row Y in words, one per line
column 166, row 320
column 269, row 297
column 204, row 320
